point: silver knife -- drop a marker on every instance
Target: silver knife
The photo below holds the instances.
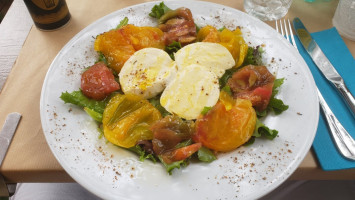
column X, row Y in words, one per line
column 323, row 63
column 6, row 135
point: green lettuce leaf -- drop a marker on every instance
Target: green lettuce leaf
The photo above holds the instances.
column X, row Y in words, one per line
column 155, row 101
column 275, row 104
column 277, row 83
column 183, row 144
column 174, row 165
column 261, row 130
column 95, row 115
column 254, row 56
column 227, row 89
column 142, row 154
column 100, row 129
column 197, row 28
column 250, row 141
column 79, row 99
column 205, row 155
column 224, row 79
column 221, row 29
column 205, row 110
column 123, row 22
column 261, row 113
column 159, row 10
column 173, row 48
column 101, row 58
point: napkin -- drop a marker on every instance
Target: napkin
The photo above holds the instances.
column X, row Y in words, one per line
column 338, row 54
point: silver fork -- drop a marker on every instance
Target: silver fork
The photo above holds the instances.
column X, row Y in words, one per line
column 344, row 142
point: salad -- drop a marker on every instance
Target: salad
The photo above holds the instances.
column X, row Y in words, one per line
column 177, row 91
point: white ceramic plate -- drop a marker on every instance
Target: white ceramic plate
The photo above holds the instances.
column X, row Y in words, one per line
column 114, row 173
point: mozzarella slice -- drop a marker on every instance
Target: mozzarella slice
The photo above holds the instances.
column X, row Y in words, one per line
column 147, row 72
column 193, row 88
column 215, row 57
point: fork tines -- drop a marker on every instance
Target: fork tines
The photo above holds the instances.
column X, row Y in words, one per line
column 285, row 30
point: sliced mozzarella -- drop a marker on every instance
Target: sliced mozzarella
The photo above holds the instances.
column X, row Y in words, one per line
column 215, row 57
column 193, row 88
column 147, row 72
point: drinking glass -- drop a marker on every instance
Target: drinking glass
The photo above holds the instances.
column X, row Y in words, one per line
column 267, row 10
column 344, row 19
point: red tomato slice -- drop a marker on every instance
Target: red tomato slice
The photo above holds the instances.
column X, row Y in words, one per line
column 264, row 91
column 181, row 153
column 185, row 152
column 98, row 82
column 253, row 83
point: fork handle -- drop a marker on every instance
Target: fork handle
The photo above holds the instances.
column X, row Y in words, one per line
column 345, row 143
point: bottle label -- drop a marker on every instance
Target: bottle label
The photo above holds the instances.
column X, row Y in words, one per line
column 46, row 4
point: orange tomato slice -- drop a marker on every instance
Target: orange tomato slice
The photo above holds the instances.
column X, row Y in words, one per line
column 225, row 130
column 119, row 45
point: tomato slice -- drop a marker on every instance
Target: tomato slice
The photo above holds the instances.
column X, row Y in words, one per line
column 119, row 45
column 181, row 153
column 253, row 83
column 225, row 130
column 127, row 118
column 170, row 131
column 98, row 82
column 178, row 25
column 208, row 34
column 232, row 40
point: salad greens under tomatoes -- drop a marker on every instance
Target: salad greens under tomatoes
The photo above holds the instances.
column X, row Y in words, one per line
column 154, row 133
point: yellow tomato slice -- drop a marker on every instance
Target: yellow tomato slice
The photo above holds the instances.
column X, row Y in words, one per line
column 208, row 34
column 225, row 130
column 127, row 118
column 242, row 54
column 232, row 40
column 227, row 100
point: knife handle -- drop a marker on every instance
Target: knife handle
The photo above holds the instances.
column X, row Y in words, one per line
column 343, row 140
column 349, row 98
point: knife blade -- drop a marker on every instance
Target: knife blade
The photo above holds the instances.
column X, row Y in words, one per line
column 7, row 133
column 323, row 64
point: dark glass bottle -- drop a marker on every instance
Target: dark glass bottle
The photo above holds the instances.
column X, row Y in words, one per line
column 48, row 14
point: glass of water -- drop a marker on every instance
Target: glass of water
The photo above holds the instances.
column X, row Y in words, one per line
column 344, row 19
column 267, row 10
